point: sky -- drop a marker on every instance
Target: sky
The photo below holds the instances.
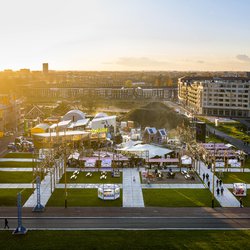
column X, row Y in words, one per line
column 125, row 34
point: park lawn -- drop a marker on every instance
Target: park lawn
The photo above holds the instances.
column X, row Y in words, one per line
column 19, row 155
column 95, row 178
column 16, row 177
column 177, row 198
column 8, row 197
column 14, row 164
column 81, row 198
column 233, row 177
column 214, row 138
column 149, row 239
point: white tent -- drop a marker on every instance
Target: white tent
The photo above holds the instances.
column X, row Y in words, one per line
column 152, row 150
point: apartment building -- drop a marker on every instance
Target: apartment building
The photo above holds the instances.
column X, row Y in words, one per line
column 106, row 93
column 224, row 96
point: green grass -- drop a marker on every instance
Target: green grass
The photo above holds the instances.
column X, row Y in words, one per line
column 13, row 164
column 19, row 155
column 16, row 177
column 229, row 177
column 214, row 138
column 177, row 198
column 81, row 198
column 233, row 129
column 95, row 178
column 126, row 240
column 8, row 197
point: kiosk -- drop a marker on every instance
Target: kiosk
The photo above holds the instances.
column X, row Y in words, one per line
column 239, row 189
column 109, row 192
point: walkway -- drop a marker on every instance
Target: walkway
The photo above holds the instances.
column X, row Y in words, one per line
column 83, row 185
column 225, row 200
column 16, row 169
column 132, row 191
column 15, row 185
column 165, row 186
column 45, row 190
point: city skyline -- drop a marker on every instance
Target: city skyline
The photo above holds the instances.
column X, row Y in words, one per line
column 126, row 35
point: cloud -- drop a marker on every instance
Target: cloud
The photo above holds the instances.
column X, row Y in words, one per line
column 200, row 61
column 243, row 58
column 141, row 62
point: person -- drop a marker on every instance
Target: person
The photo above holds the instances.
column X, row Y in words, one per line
column 133, row 179
column 241, row 202
column 208, row 184
column 220, row 182
column 218, row 191
column 6, row 223
column 203, row 176
column 222, row 190
column 207, row 176
column 217, row 183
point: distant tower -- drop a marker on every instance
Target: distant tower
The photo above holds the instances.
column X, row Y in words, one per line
column 45, row 68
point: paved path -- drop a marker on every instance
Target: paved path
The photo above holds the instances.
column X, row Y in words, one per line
column 45, row 193
column 132, row 191
column 164, row 186
column 19, row 160
column 225, row 200
column 16, row 169
column 15, row 185
column 83, row 185
column 233, row 170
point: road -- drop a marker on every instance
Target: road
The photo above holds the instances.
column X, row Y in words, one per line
column 130, row 218
column 132, row 223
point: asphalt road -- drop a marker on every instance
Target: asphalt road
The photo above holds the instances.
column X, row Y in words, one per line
column 132, row 223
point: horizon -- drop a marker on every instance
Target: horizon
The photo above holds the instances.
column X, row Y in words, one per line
column 126, row 36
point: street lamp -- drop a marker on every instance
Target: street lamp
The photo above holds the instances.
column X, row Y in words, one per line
column 213, row 172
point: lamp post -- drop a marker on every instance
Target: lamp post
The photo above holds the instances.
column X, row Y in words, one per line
column 65, row 180
column 213, row 172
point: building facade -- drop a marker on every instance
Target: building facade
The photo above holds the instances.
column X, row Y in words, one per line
column 225, row 96
column 106, row 93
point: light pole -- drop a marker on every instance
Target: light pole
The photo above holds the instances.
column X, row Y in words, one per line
column 213, row 171
column 65, row 180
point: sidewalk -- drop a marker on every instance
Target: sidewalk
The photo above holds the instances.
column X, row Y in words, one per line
column 165, row 186
column 225, row 200
column 16, row 169
column 132, row 191
column 15, row 185
column 83, row 185
column 45, row 191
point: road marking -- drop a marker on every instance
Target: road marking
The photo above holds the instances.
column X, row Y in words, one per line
column 129, row 217
column 131, row 229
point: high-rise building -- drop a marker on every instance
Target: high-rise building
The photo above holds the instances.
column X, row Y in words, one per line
column 45, row 68
column 224, row 96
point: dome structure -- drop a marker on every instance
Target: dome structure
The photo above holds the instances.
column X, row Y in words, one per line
column 100, row 115
column 74, row 115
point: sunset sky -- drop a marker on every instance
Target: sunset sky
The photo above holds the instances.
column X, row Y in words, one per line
column 125, row 34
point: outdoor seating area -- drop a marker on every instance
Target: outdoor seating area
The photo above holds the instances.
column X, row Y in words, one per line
column 169, row 177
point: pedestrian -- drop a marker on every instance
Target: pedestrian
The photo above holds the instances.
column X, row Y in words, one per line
column 6, row 223
column 203, row 176
column 222, row 190
column 217, row 183
column 208, row 184
column 220, row 181
column 133, row 179
column 207, row 176
column 218, row 191
column 241, row 202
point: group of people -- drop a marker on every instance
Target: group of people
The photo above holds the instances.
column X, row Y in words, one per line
column 219, row 186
